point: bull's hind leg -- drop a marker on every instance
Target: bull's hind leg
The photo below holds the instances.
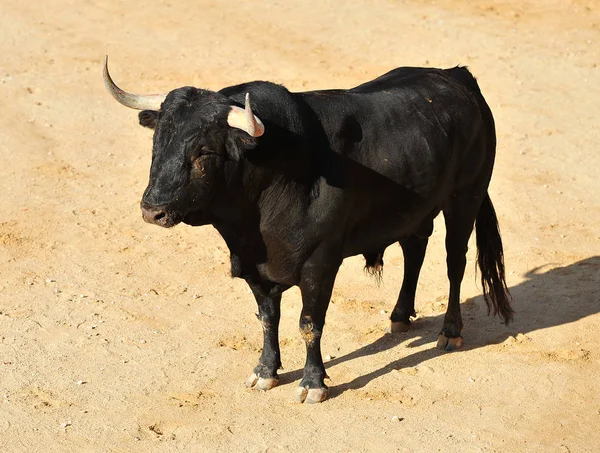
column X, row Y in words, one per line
column 265, row 375
column 459, row 218
column 413, row 249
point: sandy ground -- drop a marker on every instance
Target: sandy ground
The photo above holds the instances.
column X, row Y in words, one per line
column 117, row 336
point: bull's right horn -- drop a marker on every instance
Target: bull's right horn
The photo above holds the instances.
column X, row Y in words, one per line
column 245, row 119
column 133, row 101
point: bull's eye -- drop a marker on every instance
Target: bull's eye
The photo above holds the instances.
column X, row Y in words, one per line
column 198, row 153
column 198, row 164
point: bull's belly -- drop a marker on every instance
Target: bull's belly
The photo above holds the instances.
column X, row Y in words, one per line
column 374, row 236
column 285, row 259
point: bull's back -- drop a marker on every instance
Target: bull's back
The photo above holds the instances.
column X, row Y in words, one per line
column 402, row 126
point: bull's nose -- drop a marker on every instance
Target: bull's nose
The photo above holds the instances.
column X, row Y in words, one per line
column 157, row 216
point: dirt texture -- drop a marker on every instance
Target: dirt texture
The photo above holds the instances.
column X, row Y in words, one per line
column 119, row 336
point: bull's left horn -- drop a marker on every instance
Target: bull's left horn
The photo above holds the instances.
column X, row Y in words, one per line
column 133, row 101
column 245, row 120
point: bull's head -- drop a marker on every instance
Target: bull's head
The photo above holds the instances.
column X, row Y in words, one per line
column 195, row 132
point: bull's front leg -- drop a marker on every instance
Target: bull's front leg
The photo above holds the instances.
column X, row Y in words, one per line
column 316, row 286
column 265, row 375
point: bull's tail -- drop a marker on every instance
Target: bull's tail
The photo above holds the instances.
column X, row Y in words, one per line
column 490, row 257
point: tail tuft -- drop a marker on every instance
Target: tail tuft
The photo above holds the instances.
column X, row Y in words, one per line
column 490, row 258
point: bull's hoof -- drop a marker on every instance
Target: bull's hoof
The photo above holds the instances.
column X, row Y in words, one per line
column 398, row 327
column 311, row 396
column 449, row 344
column 258, row 383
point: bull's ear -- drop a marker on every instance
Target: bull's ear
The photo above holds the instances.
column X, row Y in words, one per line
column 238, row 142
column 148, row 118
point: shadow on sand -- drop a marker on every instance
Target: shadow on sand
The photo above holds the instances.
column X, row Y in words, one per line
column 559, row 296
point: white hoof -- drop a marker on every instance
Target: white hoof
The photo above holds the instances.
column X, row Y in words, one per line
column 398, row 327
column 311, row 396
column 258, row 383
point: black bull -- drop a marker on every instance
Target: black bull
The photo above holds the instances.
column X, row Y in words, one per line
column 307, row 179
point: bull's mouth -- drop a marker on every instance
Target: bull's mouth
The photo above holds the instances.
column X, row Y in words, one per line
column 196, row 218
column 167, row 217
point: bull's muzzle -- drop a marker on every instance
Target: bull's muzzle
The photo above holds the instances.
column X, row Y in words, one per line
column 156, row 215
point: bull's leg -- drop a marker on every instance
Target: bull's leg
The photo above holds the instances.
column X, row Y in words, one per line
column 413, row 249
column 316, row 286
column 459, row 225
column 265, row 375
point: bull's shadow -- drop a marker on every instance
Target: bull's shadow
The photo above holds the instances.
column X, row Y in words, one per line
column 559, row 296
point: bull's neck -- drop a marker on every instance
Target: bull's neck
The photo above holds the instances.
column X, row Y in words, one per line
column 259, row 195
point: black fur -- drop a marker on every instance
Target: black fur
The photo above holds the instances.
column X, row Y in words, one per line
column 337, row 173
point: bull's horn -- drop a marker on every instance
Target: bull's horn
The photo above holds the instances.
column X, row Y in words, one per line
column 133, row 101
column 245, row 120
